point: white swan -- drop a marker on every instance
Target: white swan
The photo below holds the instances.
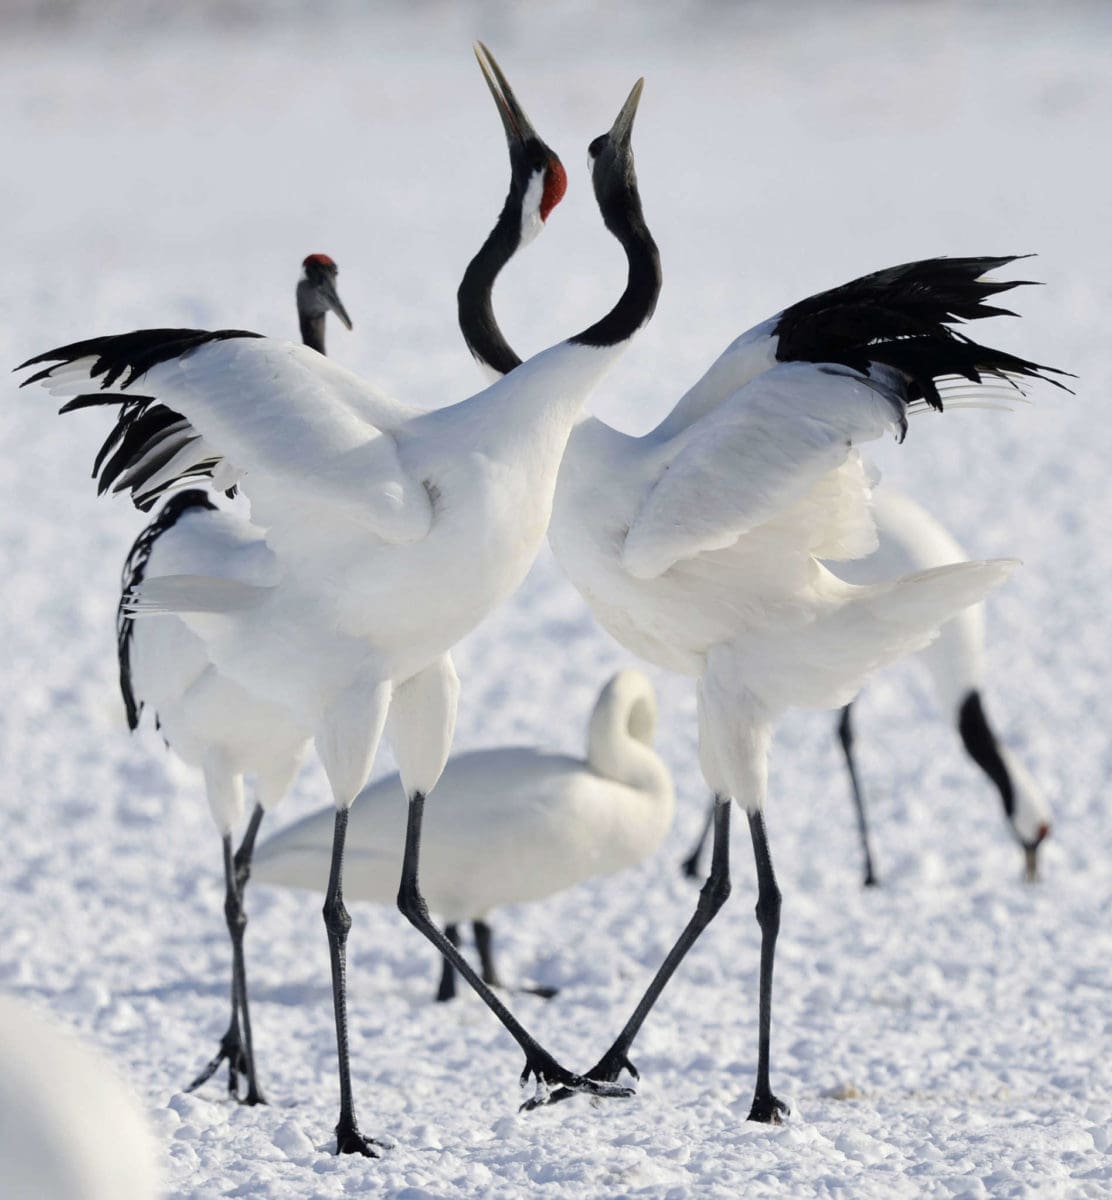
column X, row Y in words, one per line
column 69, row 1128
column 504, row 826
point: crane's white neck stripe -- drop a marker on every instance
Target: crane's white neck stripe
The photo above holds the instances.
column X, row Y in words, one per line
column 531, row 223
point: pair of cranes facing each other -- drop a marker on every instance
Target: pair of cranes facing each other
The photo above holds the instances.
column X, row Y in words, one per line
column 700, row 546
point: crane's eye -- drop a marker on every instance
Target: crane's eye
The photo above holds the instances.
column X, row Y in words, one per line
column 596, row 148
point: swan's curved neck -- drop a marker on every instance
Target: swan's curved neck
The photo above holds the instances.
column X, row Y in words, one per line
column 619, row 745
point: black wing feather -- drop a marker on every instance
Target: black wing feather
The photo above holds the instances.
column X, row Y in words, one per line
column 141, row 422
column 902, row 317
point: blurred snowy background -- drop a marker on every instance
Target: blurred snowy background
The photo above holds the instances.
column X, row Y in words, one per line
column 172, row 164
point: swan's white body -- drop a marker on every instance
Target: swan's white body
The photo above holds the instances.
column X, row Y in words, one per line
column 69, row 1128
column 698, row 547
column 504, row 826
column 911, row 539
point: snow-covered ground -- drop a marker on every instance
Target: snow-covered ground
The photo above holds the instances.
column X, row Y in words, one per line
column 947, row 1035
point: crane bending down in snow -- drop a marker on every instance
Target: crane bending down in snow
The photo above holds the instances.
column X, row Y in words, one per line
column 383, row 534
column 910, row 539
column 204, row 716
column 504, row 826
column 698, row 546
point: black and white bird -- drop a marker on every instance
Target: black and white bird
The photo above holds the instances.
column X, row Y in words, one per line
column 387, row 533
column 507, row 825
column 204, row 716
column 911, row 539
column 700, row 546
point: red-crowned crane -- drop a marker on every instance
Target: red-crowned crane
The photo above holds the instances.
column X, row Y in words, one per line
column 204, row 716
column 910, row 539
column 389, row 532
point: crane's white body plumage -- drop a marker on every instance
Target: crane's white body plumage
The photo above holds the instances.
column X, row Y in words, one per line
column 698, row 547
column 208, row 719
column 911, row 539
column 504, row 826
column 372, row 549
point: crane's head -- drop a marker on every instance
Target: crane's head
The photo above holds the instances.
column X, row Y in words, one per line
column 538, row 180
column 316, row 290
column 610, row 159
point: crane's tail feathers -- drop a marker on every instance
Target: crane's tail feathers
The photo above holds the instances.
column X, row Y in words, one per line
column 135, row 570
column 929, row 598
column 190, row 594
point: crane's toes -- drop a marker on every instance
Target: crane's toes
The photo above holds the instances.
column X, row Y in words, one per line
column 549, row 1075
column 768, row 1110
column 350, row 1141
column 545, row 993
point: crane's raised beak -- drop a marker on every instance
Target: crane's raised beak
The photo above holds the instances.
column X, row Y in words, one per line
column 622, row 129
column 517, row 125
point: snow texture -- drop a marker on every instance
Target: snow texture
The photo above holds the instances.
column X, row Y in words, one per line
column 949, row 1034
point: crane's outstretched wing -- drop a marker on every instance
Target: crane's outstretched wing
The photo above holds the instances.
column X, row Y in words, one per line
column 897, row 316
column 754, row 456
column 236, row 407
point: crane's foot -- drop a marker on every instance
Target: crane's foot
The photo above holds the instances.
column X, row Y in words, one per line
column 545, row 993
column 600, row 1082
column 549, row 1074
column 690, row 868
column 231, row 1051
column 350, row 1141
column 768, row 1110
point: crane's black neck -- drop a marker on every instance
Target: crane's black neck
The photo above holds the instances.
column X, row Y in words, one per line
column 312, row 330
column 477, row 322
column 626, row 222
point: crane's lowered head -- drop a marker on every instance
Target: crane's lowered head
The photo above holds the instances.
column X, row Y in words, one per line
column 538, row 180
column 316, row 297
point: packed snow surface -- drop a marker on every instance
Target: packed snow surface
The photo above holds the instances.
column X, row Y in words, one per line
column 948, row 1034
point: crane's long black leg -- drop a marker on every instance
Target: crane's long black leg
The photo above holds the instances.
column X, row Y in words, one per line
column 538, row 1062
column 236, row 1046
column 690, row 865
column 766, row 1107
column 447, row 988
column 845, row 736
column 337, row 922
column 713, row 894
column 484, row 943
column 247, row 848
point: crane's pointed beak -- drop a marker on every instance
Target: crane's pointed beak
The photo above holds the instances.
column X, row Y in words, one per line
column 1031, row 863
column 517, row 125
column 329, row 295
column 622, row 130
